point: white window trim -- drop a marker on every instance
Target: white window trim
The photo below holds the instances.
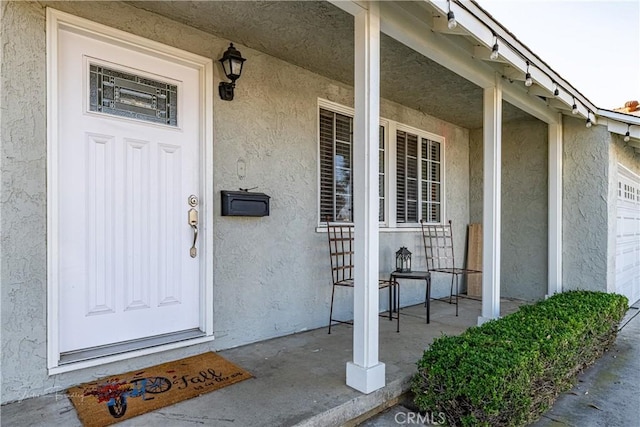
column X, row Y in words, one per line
column 336, row 108
column 387, row 146
column 391, row 127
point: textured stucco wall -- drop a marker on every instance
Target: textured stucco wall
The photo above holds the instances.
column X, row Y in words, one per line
column 22, row 202
column 524, row 205
column 271, row 274
column 525, row 209
column 590, row 162
column 585, row 210
column 476, row 168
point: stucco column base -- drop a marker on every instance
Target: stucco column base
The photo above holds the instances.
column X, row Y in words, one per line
column 482, row 319
column 365, row 380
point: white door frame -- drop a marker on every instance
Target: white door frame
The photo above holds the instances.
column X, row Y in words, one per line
column 56, row 21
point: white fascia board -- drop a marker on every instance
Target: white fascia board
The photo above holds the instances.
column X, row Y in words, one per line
column 621, row 117
column 541, row 81
column 524, row 50
column 620, row 127
column 482, row 27
column 410, row 31
column 483, row 34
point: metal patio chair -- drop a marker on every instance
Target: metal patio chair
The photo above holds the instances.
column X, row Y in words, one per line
column 341, row 238
column 438, row 248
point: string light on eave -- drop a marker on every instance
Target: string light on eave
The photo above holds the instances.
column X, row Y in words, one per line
column 589, row 123
column 627, row 136
column 556, row 91
column 451, row 18
column 494, row 50
column 528, row 81
column 574, row 108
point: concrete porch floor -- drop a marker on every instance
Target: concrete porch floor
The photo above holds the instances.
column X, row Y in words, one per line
column 299, row 379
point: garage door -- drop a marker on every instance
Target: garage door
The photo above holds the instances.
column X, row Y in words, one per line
column 628, row 235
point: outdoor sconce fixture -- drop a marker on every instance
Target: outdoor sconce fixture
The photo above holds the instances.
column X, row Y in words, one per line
column 403, row 260
column 231, row 62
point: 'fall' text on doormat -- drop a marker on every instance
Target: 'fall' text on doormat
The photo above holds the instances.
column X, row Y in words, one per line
column 120, row 397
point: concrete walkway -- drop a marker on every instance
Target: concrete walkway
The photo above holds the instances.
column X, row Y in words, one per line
column 606, row 394
column 299, row 379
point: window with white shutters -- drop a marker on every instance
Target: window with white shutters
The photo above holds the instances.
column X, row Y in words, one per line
column 336, row 151
column 418, row 190
column 336, row 166
column 418, row 174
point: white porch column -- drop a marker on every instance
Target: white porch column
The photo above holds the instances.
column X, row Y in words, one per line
column 555, row 208
column 491, row 217
column 366, row 373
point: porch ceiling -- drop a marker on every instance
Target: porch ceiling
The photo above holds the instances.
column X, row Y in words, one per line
column 318, row 36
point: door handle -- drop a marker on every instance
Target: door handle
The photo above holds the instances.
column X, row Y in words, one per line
column 193, row 222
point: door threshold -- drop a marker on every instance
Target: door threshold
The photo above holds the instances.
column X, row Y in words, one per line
column 127, row 349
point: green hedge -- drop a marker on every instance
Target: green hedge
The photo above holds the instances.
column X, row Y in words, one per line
column 508, row 372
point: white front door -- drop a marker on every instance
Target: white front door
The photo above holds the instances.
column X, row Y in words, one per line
column 129, row 146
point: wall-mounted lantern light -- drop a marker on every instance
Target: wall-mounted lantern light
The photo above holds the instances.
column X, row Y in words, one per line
column 231, row 62
column 403, row 260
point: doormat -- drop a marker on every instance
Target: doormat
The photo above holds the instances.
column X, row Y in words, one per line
column 119, row 397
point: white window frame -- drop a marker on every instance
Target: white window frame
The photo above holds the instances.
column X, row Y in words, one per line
column 421, row 134
column 390, row 162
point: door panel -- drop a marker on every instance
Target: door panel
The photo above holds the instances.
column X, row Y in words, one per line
column 124, row 239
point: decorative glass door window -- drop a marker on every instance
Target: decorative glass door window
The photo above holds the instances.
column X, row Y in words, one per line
column 132, row 96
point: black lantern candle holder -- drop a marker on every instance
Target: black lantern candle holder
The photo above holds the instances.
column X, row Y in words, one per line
column 403, row 260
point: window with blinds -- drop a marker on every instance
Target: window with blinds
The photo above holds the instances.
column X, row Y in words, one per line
column 336, row 166
column 419, row 184
column 336, row 163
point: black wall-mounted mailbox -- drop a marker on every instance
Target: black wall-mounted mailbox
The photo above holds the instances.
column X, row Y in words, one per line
column 243, row 203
